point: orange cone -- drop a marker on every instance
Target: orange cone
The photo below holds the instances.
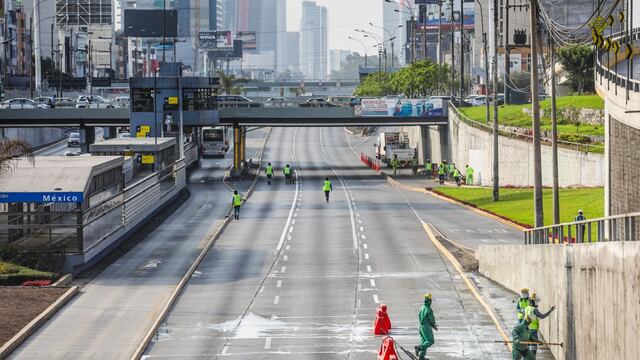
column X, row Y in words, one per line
column 385, row 316
column 380, row 325
column 387, row 350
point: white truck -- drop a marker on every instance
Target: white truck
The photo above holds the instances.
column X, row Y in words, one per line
column 394, row 143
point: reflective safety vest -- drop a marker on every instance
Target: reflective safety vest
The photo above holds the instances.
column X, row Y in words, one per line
column 269, row 170
column 456, row 173
column 522, row 305
column 470, row 171
column 327, row 185
column 535, row 321
column 287, row 171
column 394, row 162
column 441, row 169
column 237, row 200
column 414, row 162
column 428, row 166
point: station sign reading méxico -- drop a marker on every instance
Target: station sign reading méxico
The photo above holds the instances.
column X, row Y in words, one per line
column 41, row 197
column 401, row 107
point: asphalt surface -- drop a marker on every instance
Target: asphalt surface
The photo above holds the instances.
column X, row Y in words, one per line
column 300, row 278
column 60, row 148
column 112, row 313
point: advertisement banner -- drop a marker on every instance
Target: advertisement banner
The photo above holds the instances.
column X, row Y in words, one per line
column 249, row 39
column 402, row 107
column 432, row 18
column 216, row 40
column 41, row 197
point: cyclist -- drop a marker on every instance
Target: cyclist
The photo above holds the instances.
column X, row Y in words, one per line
column 269, row 172
column 327, row 188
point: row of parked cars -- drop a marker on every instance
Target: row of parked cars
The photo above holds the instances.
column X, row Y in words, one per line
column 81, row 102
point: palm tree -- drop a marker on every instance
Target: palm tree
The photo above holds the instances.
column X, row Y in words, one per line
column 226, row 82
column 12, row 150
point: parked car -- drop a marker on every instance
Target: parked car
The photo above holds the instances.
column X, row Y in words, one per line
column 317, row 102
column 346, row 101
column 275, row 101
column 65, row 102
column 120, row 102
column 47, row 101
column 73, row 139
column 125, row 135
column 21, row 103
column 235, row 101
column 92, row 102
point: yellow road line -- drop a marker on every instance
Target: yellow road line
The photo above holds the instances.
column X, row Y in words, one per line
column 468, row 282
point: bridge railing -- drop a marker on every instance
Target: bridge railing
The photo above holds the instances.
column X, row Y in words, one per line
column 526, row 136
column 604, row 73
column 622, row 227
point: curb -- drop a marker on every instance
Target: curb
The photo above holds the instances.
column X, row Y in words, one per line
column 429, row 229
column 34, row 324
column 64, row 280
column 139, row 352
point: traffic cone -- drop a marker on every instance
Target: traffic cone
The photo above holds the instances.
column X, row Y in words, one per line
column 385, row 316
column 380, row 324
column 387, row 350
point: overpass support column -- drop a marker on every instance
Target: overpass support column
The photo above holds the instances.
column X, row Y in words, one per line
column 87, row 137
column 109, row 132
column 239, row 136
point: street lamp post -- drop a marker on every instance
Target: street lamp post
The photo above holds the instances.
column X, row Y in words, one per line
column 413, row 26
column 364, row 47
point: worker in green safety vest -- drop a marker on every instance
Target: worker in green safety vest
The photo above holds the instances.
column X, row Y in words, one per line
column 427, row 324
column 522, row 303
column 456, row 176
column 414, row 165
column 327, row 188
column 236, row 202
column 521, row 333
column 470, row 171
column 452, row 169
column 428, row 168
column 287, row 171
column 395, row 163
column 532, row 311
column 442, row 171
column 269, row 172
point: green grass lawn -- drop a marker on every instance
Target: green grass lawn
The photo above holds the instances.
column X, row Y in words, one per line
column 517, row 204
column 513, row 115
column 12, row 274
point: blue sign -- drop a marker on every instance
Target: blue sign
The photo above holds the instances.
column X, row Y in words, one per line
column 41, row 197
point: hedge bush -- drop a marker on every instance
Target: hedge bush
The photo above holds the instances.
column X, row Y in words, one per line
column 12, row 274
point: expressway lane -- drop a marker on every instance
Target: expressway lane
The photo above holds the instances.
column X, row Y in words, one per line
column 313, row 295
column 113, row 311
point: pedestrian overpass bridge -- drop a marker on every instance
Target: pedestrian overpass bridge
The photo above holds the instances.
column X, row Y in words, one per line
column 247, row 116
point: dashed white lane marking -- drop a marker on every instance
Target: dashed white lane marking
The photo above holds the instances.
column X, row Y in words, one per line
column 373, row 282
column 361, row 228
column 288, row 247
column 284, row 268
column 375, row 299
column 289, row 237
column 279, row 283
column 261, row 289
column 290, row 217
column 285, row 258
column 224, row 349
column 276, row 300
column 293, row 222
column 358, row 214
column 363, row 238
column 368, row 268
column 359, row 221
column 290, row 229
column 364, row 245
column 366, row 256
column 267, row 343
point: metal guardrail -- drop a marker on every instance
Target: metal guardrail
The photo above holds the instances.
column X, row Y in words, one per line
column 525, row 137
column 613, row 228
column 610, row 74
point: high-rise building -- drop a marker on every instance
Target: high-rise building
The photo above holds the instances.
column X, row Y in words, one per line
column 393, row 19
column 215, row 15
column 313, row 41
column 291, row 57
column 336, row 58
column 229, row 8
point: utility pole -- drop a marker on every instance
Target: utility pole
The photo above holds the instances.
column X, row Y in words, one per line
column 486, row 62
column 535, row 106
column 36, row 46
column 494, row 68
column 507, row 59
column 453, row 57
column 461, row 50
column 554, row 134
column 52, row 45
column 440, row 32
column 30, row 57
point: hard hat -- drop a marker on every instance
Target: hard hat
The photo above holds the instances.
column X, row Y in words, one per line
column 383, row 307
column 428, row 296
column 524, row 290
column 580, row 211
column 533, row 296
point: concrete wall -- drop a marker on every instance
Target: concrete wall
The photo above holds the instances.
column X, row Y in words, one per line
column 36, row 137
column 595, row 288
column 464, row 144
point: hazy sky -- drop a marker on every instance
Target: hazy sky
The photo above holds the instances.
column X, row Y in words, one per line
column 344, row 16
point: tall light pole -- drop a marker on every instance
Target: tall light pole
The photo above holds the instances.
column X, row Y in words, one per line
column 36, row 46
column 364, row 48
column 535, row 109
column 488, row 109
column 494, row 93
column 392, row 37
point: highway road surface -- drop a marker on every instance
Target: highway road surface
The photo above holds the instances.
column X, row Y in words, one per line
column 295, row 278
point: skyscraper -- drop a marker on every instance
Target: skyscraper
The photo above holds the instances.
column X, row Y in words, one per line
column 392, row 19
column 313, row 41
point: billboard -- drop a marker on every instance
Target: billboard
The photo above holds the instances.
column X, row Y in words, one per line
column 402, row 107
column 248, row 38
column 432, row 18
column 215, row 40
column 145, row 23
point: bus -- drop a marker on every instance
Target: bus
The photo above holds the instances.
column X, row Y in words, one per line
column 215, row 141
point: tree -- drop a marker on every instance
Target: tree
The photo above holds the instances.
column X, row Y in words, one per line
column 578, row 63
column 350, row 68
column 12, row 150
column 377, row 84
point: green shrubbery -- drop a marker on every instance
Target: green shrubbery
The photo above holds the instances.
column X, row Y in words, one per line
column 12, row 274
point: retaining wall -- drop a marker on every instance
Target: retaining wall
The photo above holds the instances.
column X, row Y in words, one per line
column 464, row 144
column 595, row 288
column 36, row 137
